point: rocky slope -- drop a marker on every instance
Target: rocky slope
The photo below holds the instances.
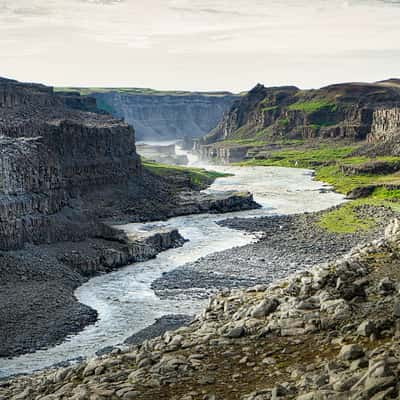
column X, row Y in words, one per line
column 330, row 332
column 352, row 111
column 166, row 116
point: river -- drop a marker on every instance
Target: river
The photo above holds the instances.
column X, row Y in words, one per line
column 124, row 299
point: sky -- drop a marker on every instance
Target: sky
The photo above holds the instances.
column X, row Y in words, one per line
column 199, row 44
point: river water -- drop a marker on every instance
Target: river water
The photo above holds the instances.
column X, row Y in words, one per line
column 124, row 299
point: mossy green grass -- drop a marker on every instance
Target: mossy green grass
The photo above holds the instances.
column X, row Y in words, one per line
column 198, row 176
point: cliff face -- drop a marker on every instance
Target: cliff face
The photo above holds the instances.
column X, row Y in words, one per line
column 385, row 124
column 51, row 156
column 164, row 117
column 353, row 111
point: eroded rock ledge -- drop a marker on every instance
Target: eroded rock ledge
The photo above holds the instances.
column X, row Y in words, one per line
column 37, row 303
column 331, row 332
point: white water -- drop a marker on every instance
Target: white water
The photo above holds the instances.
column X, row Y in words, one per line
column 124, row 299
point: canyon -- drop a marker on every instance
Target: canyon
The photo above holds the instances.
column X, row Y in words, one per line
column 328, row 331
column 67, row 175
column 164, row 115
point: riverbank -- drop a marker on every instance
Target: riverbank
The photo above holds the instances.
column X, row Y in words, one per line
column 38, row 307
column 261, row 263
column 288, row 243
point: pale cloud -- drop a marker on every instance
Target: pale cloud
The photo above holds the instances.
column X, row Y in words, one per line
column 198, row 44
column 31, row 11
column 104, row 2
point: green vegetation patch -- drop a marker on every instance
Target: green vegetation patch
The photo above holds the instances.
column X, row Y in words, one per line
column 327, row 161
column 313, row 106
column 198, row 176
column 283, row 122
column 343, row 183
column 344, row 219
column 308, row 158
column 244, row 142
column 269, row 108
column 268, row 141
column 383, row 193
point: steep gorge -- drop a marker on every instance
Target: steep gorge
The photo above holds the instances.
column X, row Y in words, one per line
column 166, row 116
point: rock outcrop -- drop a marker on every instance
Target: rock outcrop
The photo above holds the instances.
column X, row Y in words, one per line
column 385, row 124
column 167, row 116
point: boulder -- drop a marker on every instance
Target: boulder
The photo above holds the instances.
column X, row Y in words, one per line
column 386, row 286
column 266, row 307
column 236, row 332
column 366, row 328
column 351, row 352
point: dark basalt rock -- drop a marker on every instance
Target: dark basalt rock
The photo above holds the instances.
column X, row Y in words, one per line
column 361, row 192
column 51, row 156
column 371, row 168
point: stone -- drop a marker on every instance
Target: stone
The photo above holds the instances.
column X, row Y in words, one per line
column 279, row 391
column 380, row 369
column 268, row 361
column 344, row 385
column 351, row 352
column 311, row 396
column 307, row 305
column 376, row 385
column 384, row 395
column 350, row 289
column 91, row 366
column 145, row 362
column 23, row 395
column 359, row 364
column 321, row 380
column 131, row 395
column 366, row 328
column 265, row 308
column 396, row 308
column 207, row 380
column 386, row 286
column 236, row 332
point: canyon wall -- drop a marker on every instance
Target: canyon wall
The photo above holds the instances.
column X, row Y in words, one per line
column 165, row 116
column 51, row 157
column 353, row 111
